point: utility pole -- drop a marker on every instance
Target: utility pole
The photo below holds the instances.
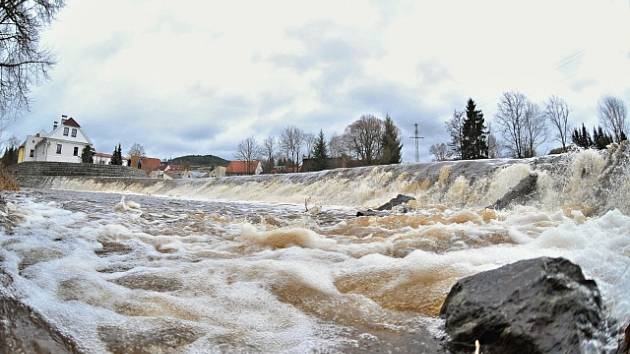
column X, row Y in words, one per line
column 416, row 139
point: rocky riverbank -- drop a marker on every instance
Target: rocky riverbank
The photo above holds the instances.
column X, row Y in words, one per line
column 542, row 305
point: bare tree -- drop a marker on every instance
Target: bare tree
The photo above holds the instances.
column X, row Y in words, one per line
column 337, row 146
column 534, row 129
column 494, row 149
column 11, row 142
column 612, row 114
column 364, row 138
column 557, row 113
column 510, row 116
column 22, row 61
column 269, row 150
column 291, row 142
column 440, row 151
column 135, row 155
column 248, row 151
column 136, row 150
column 309, row 143
column 455, row 128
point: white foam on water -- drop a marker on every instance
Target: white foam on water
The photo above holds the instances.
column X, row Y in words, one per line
column 283, row 288
column 264, row 276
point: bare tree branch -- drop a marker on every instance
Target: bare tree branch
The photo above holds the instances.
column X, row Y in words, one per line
column 612, row 114
column 22, row 61
column 364, row 138
column 248, row 151
column 557, row 112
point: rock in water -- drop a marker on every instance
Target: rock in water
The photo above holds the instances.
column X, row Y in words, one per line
column 519, row 194
column 541, row 305
column 400, row 199
column 368, row 212
column 624, row 345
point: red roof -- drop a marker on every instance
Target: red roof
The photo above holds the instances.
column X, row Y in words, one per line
column 102, row 154
column 71, row 123
column 150, row 164
column 176, row 168
column 240, row 167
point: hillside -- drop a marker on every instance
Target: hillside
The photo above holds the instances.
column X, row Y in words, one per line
column 199, row 161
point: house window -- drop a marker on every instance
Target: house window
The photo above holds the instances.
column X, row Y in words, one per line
column 76, row 151
column 59, row 148
column 74, row 132
column 32, row 153
column 65, row 131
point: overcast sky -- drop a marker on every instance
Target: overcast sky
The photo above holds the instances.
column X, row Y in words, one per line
column 195, row 77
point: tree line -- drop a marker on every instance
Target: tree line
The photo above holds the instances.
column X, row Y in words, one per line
column 370, row 140
column 523, row 126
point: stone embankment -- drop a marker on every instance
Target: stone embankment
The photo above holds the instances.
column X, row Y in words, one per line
column 31, row 173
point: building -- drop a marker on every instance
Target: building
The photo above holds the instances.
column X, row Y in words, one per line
column 177, row 171
column 239, row 168
column 63, row 144
column 217, row 171
column 150, row 164
column 101, row 158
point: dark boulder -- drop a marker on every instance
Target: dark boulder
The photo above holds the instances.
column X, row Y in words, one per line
column 368, row 212
column 400, row 199
column 624, row 345
column 519, row 194
column 541, row 305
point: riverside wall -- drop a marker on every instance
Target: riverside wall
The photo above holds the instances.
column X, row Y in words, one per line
column 32, row 172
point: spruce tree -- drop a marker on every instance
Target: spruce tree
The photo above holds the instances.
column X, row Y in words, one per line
column 474, row 145
column 87, row 154
column 582, row 138
column 320, row 153
column 113, row 161
column 600, row 139
column 120, row 160
column 390, row 142
column 10, row 156
column 117, row 156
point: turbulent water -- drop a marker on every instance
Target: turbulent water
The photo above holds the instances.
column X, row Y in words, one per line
column 237, row 265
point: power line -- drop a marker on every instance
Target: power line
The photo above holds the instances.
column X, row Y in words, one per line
column 416, row 139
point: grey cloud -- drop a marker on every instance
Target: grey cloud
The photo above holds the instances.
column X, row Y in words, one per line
column 326, row 44
column 580, row 85
column 431, row 73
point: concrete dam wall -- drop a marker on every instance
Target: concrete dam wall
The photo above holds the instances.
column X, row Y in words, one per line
column 29, row 174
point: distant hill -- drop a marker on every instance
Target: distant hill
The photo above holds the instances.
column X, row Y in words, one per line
column 199, row 161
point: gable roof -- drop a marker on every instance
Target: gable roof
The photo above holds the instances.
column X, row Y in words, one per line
column 241, row 166
column 150, row 164
column 70, row 122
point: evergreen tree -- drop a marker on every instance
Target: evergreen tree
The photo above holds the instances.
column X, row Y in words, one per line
column 606, row 139
column 87, row 154
column 117, row 156
column 320, row 153
column 582, row 138
column 390, row 142
column 622, row 136
column 10, row 156
column 474, row 145
column 587, row 141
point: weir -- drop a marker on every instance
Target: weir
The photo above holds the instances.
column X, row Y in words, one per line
column 596, row 180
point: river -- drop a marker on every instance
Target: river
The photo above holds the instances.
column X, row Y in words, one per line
column 238, row 265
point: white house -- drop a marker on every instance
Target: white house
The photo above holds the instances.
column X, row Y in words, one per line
column 63, row 144
column 101, row 158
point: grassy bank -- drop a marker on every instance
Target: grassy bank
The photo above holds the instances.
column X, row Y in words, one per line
column 7, row 181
